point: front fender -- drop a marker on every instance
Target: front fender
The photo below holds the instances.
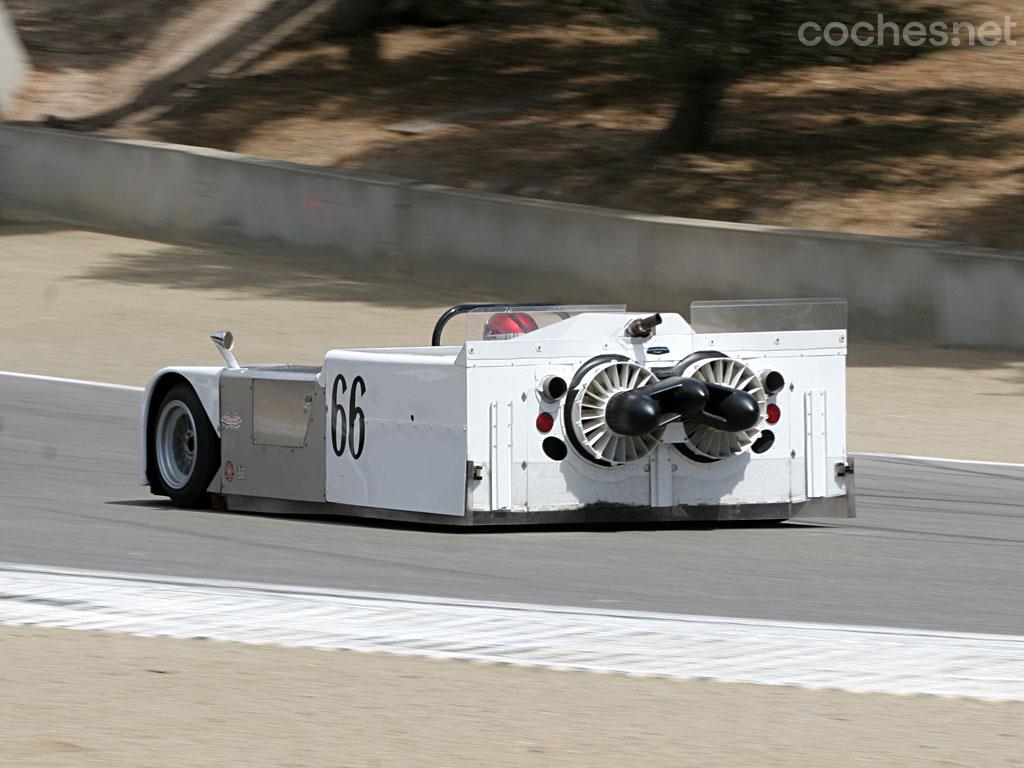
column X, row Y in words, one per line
column 205, row 380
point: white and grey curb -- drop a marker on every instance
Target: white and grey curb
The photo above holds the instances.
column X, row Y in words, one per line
column 866, row 659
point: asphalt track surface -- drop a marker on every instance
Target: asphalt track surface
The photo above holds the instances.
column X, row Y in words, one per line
column 935, row 546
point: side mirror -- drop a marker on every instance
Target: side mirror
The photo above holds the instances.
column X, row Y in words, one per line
column 224, row 341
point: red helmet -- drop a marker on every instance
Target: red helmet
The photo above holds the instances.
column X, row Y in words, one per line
column 508, row 325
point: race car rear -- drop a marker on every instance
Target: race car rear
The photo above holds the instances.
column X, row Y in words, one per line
column 603, row 416
column 538, row 414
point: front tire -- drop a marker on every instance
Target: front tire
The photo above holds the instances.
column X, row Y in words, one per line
column 186, row 450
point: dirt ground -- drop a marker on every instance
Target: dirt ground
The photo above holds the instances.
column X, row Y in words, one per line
column 89, row 305
column 552, row 100
column 75, row 699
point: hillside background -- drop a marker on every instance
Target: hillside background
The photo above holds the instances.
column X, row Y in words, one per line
column 555, row 100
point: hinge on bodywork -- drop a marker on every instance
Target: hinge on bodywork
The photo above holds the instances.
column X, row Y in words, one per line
column 474, row 471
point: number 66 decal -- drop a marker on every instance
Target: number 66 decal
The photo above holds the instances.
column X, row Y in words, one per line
column 343, row 426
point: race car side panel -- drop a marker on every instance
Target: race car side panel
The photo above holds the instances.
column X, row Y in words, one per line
column 272, row 434
column 205, row 381
column 396, row 430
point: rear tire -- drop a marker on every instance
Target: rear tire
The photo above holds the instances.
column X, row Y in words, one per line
column 186, row 450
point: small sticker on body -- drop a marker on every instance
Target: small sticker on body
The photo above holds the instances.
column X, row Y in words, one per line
column 231, row 421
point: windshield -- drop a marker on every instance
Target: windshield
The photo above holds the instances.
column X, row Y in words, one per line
column 497, row 322
column 768, row 315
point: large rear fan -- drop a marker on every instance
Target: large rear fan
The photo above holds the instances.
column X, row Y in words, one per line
column 589, row 425
column 711, row 443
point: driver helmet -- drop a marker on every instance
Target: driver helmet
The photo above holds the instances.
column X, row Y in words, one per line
column 508, row 325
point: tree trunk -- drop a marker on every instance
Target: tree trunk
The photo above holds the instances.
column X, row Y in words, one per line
column 692, row 128
column 352, row 17
column 438, row 13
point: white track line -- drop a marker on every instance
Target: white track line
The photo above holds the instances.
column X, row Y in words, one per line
column 887, row 456
column 79, row 382
column 867, row 659
column 939, row 460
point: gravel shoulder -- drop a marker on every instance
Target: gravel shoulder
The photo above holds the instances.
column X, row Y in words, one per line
column 88, row 305
column 81, row 699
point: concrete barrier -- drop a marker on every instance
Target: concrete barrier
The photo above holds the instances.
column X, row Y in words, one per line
column 904, row 291
column 13, row 61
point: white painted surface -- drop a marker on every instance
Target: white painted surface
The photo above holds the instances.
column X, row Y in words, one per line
column 869, row 659
column 396, row 431
column 61, row 380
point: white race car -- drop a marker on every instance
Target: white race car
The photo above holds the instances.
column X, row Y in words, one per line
column 546, row 414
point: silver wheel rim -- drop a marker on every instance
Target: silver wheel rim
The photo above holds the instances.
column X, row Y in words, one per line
column 176, row 444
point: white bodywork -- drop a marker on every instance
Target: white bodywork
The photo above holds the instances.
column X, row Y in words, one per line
column 452, row 431
column 414, row 447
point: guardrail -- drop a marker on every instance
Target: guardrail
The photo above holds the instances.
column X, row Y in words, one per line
column 899, row 290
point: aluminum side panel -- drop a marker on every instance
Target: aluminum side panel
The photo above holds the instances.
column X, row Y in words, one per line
column 284, row 459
